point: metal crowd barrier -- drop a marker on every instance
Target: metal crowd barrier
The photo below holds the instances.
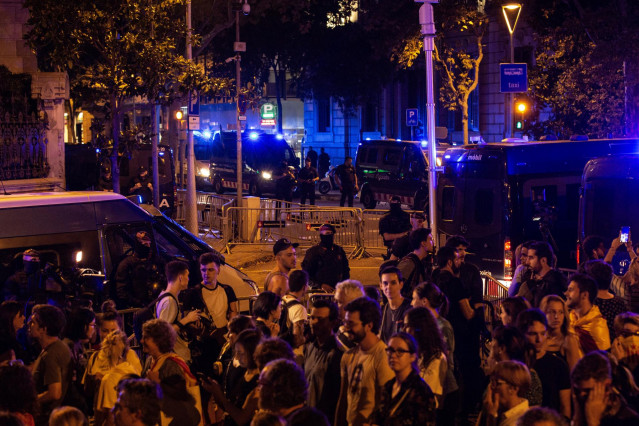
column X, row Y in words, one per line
column 370, row 228
column 210, row 212
column 494, row 291
column 264, row 226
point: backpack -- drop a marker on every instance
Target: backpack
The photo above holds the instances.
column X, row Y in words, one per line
column 418, row 275
column 145, row 314
column 286, row 327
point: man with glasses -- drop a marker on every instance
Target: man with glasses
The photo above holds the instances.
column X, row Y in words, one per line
column 51, row 368
column 138, row 403
column 322, row 358
column 326, row 263
column 364, row 369
column 596, row 401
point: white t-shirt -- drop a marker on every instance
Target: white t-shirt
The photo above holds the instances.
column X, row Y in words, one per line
column 296, row 312
column 217, row 304
column 168, row 310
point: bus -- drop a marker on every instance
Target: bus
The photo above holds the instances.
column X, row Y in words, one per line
column 610, row 200
column 499, row 195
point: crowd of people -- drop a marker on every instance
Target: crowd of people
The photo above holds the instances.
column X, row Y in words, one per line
column 318, row 348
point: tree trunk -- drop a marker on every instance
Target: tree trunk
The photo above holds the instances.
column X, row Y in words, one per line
column 155, row 141
column 278, row 97
column 465, row 120
column 115, row 132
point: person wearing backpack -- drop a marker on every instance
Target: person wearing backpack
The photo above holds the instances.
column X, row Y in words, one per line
column 167, row 307
column 294, row 315
column 411, row 265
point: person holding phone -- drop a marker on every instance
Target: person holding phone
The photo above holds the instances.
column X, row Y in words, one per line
column 624, row 238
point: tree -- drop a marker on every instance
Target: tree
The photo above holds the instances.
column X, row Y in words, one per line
column 586, row 59
column 110, row 49
column 461, row 26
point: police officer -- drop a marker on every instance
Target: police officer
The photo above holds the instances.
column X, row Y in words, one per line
column 137, row 277
column 307, row 178
column 394, row 224
column 141, row 185
column 326, row 263
column 347, row 181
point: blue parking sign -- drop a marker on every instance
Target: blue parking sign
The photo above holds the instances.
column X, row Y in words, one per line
column 411, row 117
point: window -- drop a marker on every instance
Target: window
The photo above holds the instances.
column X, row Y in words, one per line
column 323, row 115
column 371, row 156
column 448, row 203
column 484, row 206
column 392, row 157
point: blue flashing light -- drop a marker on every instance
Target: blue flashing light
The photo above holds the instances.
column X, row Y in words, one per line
column 161, row 153
column 279, row 136
column 368, row 139
column 253, row 136
column 399, row 140
column 98, row 150
column 197, row 133
column 207, row 134
column 447, row 156
column 424, row 143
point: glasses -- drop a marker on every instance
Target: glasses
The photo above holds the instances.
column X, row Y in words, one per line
column 628, row 333
column 391, row 351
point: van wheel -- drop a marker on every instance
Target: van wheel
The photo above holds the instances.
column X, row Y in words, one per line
column 368, row 200
column 217, row 186
column 324, row 187
column 254, row 191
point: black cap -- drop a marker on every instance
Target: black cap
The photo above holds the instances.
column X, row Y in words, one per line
column 327, row 227
column 395, row 199
column 283, row 244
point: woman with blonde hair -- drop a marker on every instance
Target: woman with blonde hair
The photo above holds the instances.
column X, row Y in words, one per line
column 113, row 363
column 562, row 341
column 67, row 416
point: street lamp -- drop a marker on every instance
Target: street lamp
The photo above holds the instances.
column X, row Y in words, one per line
column 511, row 13
column 427, row 23
column 239, row 47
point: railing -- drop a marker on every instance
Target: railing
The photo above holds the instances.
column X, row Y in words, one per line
column 264, row 226
column 23, row 148
column 494, row 290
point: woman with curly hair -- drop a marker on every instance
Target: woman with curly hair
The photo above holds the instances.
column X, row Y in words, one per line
column 114, row 366
column 433, row 358
column 179, row 386
column 562, row 341
column 267, row 310
column 17, row 392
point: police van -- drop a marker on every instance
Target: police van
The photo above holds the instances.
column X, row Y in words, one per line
column 391, row 167
column 87, row 234
column 499, row 195
column 262, row 155
column 609, row 199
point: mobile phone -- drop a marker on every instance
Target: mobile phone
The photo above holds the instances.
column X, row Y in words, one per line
column 625, row 232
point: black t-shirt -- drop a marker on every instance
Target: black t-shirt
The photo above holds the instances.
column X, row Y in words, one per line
column 394, row 224
column 555, row 376
column 306, row 176
column 552, row 283
column 455, row 292
column 393, row 320
column 346, row 175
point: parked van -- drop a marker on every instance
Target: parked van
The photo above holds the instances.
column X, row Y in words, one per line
column 87, row 234
column 609, row 201
column 391, row 167
column 262, row 155
column 499, row 195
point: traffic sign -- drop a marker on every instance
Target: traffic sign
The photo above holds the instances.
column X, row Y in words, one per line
column 513, row 78
column 412, row 117
column 194, row 122
column 194, row 103
column 268, row 111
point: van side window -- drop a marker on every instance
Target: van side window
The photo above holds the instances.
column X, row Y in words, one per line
column 371, row 156
column 448, row 203
column 544, row 201
column 484, row 206
column 392, row 157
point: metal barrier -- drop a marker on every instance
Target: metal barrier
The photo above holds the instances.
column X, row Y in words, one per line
column 264, row 226
column 210, row 209
column 370, row 228
column 494, row 291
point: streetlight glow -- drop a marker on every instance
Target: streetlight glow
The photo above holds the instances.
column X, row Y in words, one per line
column 511, row 9
column 521, row 107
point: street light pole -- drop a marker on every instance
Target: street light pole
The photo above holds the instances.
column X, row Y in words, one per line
column 190, row 202
column 428, row 32
column 515, row 10
column 239, row 47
